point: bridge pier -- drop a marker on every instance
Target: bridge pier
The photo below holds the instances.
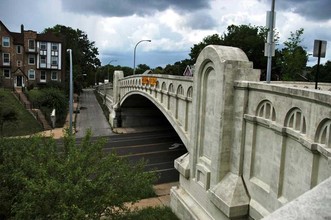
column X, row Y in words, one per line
column 115, row 118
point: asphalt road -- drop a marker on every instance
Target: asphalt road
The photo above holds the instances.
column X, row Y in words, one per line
column 91, row 116
column 150, row 146
column 153, row 147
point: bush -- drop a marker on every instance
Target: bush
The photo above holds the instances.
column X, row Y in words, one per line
column 150, row 213
column 41, row 179
column 49, row 98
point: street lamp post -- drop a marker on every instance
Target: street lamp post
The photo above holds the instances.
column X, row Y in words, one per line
column 108, row 68
column 70, row 93
column 270, row 41
column 134, row 55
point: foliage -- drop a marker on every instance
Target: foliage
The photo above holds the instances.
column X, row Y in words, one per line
column 25, row 123
column 8, row 114
column 293, row 57
column 49, row 98
column 249, row 38
column 141, row 68
column 209, row 40
column 41, row 179
column 324, row 74
column 102, row 72
column 177, row 68
column 151, row 213
column 84, row 54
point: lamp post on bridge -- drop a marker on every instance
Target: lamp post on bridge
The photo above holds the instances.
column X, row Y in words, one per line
column 270, row 45
column 134, row 55
column 108, row 68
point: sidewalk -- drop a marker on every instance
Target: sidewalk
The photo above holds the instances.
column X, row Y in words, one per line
column 163, row 197
column 57, row 133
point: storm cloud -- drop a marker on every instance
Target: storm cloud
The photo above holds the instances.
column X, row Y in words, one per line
column 123, row 8
column 200, row 20
column 317, row 10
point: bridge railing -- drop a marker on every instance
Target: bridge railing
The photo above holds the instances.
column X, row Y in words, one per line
column 287, row 140
column 180, row 86
column 172, row 95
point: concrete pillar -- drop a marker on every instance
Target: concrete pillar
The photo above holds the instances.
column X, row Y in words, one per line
column 115, row 114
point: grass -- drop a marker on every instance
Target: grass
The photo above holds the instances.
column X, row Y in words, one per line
column 26, row 123
column 151, row 213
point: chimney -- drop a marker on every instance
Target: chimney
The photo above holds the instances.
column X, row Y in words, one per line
column 22, row 28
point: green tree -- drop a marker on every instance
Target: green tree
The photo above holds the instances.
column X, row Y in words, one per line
column 141, row 68
column 197, row 48
column 324, row 72
column 50, row 98
column 84, row 53
column 7, row 115
column 249, row 38
column 41, row 179
column 294, row 57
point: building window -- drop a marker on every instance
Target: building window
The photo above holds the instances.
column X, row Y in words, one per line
column 6, row 73
column 54, row 76
column 43, row 46
column 54, row 61
column 31, row 74
column 31, row 59
column 19, row 63
column 6, row 59
column 55, row 47
column 42, row 61
column 5, row 41
column 31, row 45
column 42, row 76
column 18, row 49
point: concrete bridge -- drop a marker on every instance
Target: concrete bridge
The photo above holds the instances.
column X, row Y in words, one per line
column 252, row 147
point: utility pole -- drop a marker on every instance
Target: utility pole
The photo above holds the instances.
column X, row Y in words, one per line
column 270, row 45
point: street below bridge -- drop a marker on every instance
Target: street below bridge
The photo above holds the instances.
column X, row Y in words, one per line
column 158, row 148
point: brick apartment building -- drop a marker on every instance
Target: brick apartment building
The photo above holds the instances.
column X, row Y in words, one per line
column 30, row 58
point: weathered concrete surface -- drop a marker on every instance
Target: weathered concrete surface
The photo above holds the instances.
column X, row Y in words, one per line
column 314, row 204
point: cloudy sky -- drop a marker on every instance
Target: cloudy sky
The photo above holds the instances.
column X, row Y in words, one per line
column 174, row 26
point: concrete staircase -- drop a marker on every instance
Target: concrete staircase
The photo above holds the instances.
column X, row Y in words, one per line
column 34, row 111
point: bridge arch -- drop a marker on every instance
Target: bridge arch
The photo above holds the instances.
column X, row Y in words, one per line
column 167, row 114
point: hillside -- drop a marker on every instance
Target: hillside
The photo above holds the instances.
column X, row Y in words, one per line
column 26, row 123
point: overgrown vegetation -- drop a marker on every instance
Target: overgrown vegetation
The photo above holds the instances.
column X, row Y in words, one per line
column 15, row 118
column 151, row 213
column 50, row 98
column 41, row 179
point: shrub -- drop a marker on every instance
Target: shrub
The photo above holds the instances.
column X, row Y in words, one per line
column 150, row 213
column 41, row 179
column 49, row 98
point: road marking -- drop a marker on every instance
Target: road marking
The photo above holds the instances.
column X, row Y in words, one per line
column 136, row 146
